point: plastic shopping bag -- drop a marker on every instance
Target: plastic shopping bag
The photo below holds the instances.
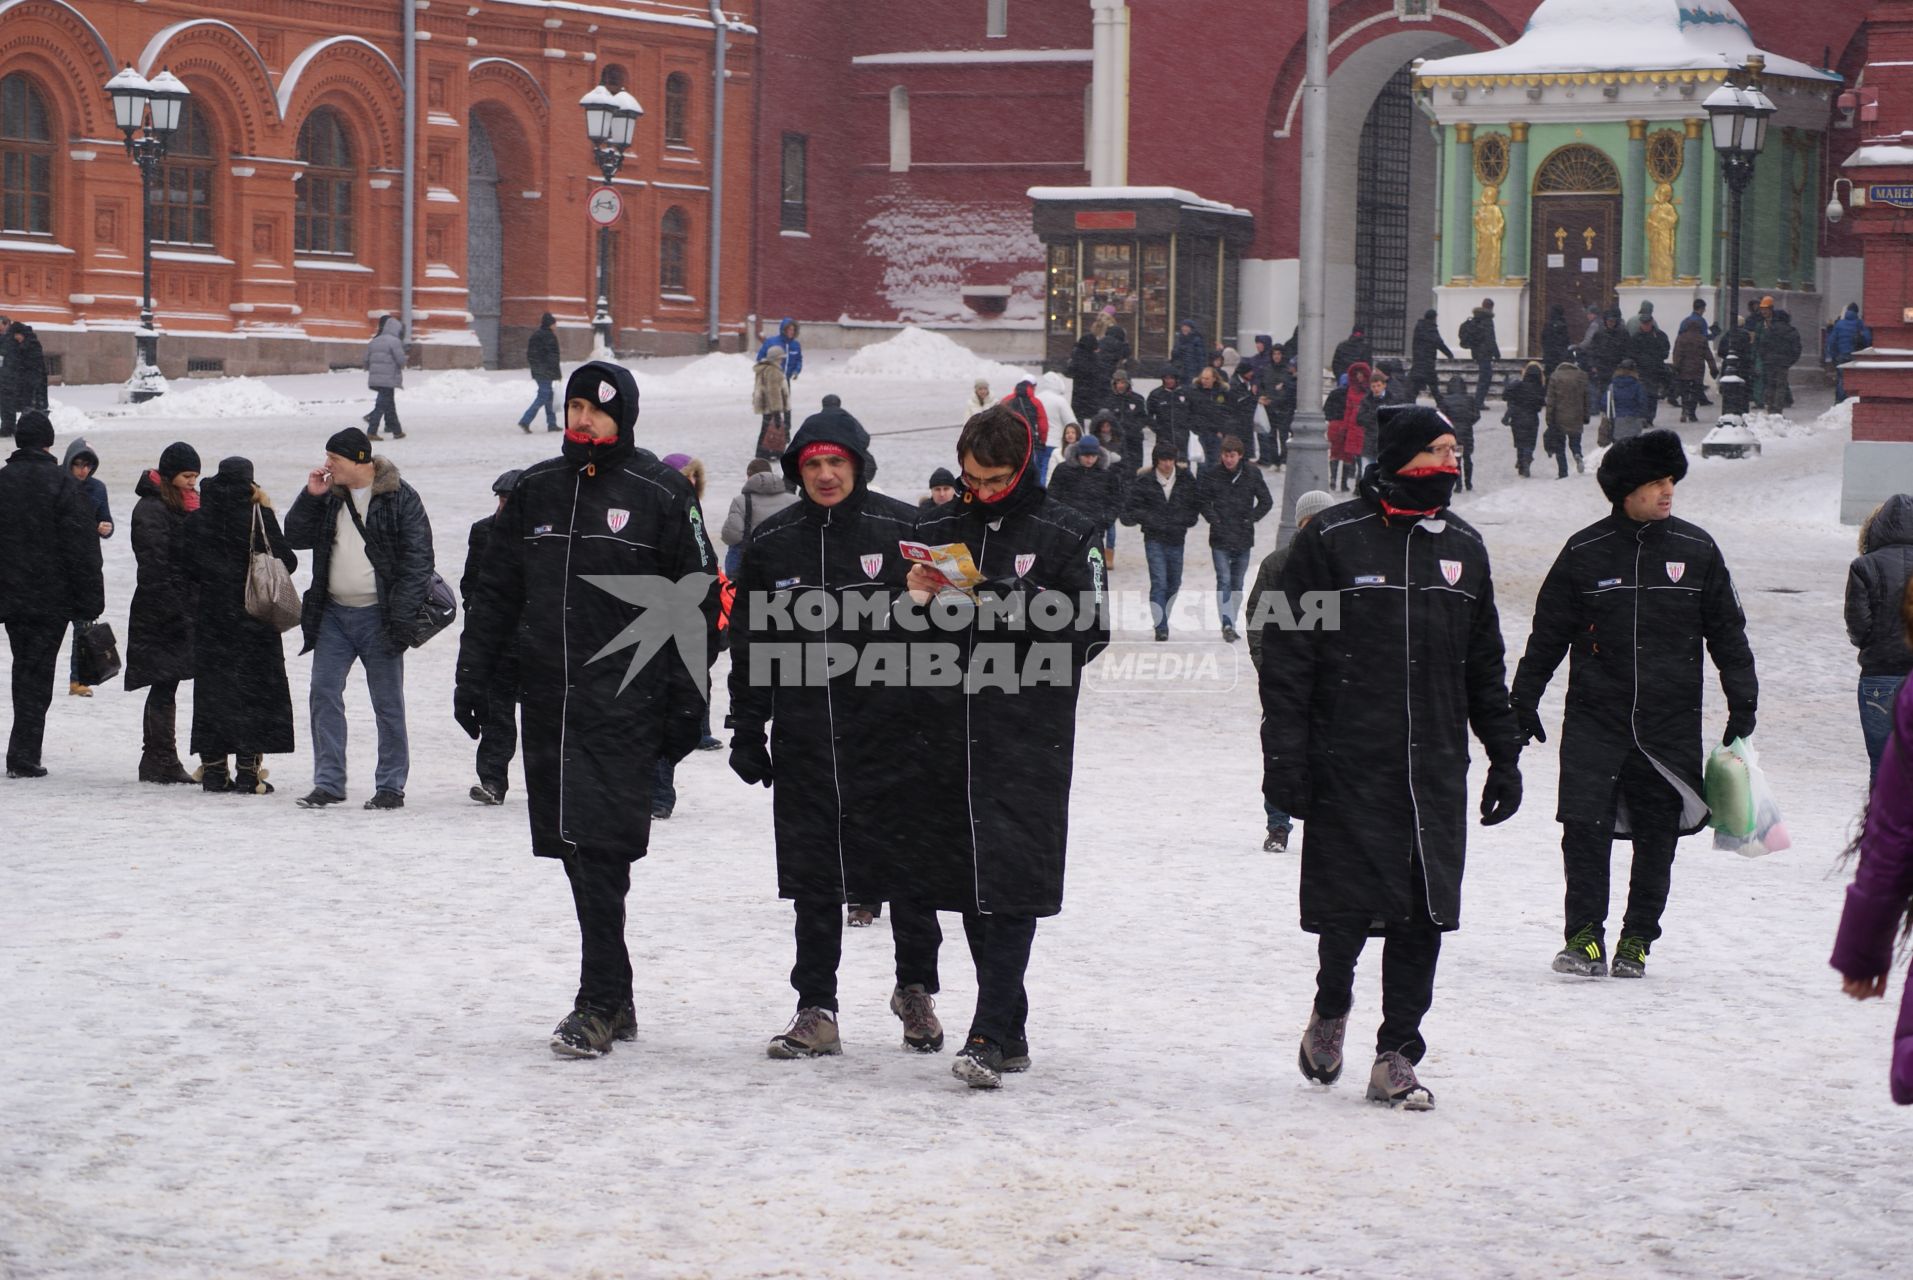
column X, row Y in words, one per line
column 1746, row 818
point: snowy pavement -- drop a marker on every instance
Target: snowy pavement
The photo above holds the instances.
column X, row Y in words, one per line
column 244, row 1039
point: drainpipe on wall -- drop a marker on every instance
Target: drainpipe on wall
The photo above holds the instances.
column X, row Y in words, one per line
column 717, row 170
column 408, row 203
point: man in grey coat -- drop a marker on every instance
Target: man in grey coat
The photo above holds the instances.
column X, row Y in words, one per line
column 385, row 374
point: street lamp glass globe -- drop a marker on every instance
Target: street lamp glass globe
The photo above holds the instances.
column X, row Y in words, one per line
column 600, row 107
column 624, row 125
column 130, row 92
column 169, row 96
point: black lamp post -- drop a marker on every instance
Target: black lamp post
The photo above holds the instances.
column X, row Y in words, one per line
column 150, row 108
column 1739, row 115
column 611, row 121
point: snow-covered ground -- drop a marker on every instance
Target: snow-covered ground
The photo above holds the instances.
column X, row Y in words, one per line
column 243, row 1039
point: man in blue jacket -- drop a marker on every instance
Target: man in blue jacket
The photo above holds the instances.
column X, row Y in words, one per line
column 785, row 337
column 1847, row 335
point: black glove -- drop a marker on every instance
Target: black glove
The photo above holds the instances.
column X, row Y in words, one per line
column 1740, row 724
column 1500, row 794
column 470, row 708
column 751, row 756
column 1287, row 788
column 1529, row 719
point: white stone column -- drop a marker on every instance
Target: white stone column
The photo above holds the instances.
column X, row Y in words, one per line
column 1109, row 96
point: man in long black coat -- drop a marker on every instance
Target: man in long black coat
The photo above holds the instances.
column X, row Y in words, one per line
column 498, row 740
column 1633, row 597
column 23, row 375
column 1000, row 745
column 836, row 735
column 1365, row 736
column 49, row 578
column 1426, row 344
column 602, row 576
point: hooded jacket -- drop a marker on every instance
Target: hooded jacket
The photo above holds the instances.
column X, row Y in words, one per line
column 1567, row 397
column 1096, row 490
column 541, row 351
column 49, row 547
column 1427, row 342
column 576, row 538
column 385, row 356
column 764, row 495
column 1556, row 338
column 1847, row 335
column 1876, row 584
column 1190, row 353
column 159, row 629
column 1026, row 404
column 1350, row 351
column 93, row 487
column 398, row 542
column 793, row 349
column 1608, row 347
column 23, row 375
column 1089, row 379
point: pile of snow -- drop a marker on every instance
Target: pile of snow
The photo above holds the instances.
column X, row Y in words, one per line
column 220, row 398
column 1778, row 426
column 67, row 421
column 1838, row 418
column 727, row 371
column 923, row 356
column 465, row 386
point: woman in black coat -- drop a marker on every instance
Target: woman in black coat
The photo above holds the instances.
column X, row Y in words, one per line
column 159, row 632
column 1458, row 406
column 23, row 375
column 1556, row 338
column 1087, row 381
column 242, row 706
column 1526, row 399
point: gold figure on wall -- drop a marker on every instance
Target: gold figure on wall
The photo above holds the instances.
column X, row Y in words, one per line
column 1662, row 221
column 1490, row 225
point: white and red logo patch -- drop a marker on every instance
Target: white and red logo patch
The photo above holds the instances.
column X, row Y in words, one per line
column 1675, row 568
column 617, row 518
column 1025, row 562
column 607, row 392
column 1451, row 570
column 872, row 563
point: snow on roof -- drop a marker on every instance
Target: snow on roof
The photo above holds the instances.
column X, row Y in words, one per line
column 1875, row 154
column 1111, row 195
column 969, row 57
column 1568, row 36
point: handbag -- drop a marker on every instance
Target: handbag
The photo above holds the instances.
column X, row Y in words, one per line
column 270, row 596
column 96, row 656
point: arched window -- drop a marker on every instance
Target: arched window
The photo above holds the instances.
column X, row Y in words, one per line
column 614, row 77
column 322, row 209
column 674, row 238
column 677, row 110
column 1577, row 169
column 26, row 158
column 183, row 191
column 899, row 130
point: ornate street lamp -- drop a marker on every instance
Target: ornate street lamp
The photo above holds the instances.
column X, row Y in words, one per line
column 151, row 109
column 611, row 121
column 1738, row 114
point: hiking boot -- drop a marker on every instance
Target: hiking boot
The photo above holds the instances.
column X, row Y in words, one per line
column 1630, row 957
column 811, row 1034
column 979, row 1063
column 165, row 770
column 1228, row 633
column 918, row 1010
column 624, row 1023
column 1393, row 1080
column 317, row 799
column 487, row 793
column 21, row 769
column 1321, row 1054
column 708, row 743
column 1016, row 1055
column 525, row 427
column 1584, row 956
column 374, row 437
column 585, row 1033
column 213, row 776
column 74, row 689
column 1278, row 841
column 249, row 777
column 383, row 799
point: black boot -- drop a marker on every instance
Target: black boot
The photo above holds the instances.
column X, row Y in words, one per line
column 159, row 749
column 249, row 776
column 212, row 774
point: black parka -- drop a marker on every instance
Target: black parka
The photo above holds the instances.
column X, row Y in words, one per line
column 999, row 759
column 541, row 353
column 837, row 743
column 398, row 542
column 1170, row 414
column 1095, row 491
column 1876, row 584
column 49, row 543
column 573, row 533
column 1634, row 602
column 1231, row 500
column 23, row 377
column 241, row 702
column 159, row 630
column 1365, row 727
column 1426, row 344
column 1131, row 413
column 1162, row 517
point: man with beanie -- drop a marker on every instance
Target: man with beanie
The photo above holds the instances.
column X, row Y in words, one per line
column 1365, row 736
column 1231, row 498
column 1168, row 408
column 1000, row 737
column 823, row 734
column 1267, row 574
column 49, row 578
column 1634, row 596
column 943, row 486
column 498, row 739
column 612, row 664
column 372, row 566
column 541, row 357
column 1163, row 502
column 1086, row 483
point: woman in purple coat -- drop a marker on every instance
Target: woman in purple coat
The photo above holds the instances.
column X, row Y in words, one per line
column 1879, row 899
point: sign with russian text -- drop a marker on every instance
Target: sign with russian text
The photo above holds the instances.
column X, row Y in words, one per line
column 1899, row 195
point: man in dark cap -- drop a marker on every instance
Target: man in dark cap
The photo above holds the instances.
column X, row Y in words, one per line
column 1633, row 596
column 943, row 487
column 372, row 566
column 600, row 570
column 49, row 577
column 498, row 742
column 1365, row 736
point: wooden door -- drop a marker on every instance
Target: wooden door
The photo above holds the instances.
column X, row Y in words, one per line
column 1576, row 259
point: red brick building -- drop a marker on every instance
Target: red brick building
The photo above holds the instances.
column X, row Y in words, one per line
column 281, row 204
column 920, row 131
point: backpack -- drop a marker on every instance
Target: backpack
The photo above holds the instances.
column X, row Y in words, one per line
column 1470, row 331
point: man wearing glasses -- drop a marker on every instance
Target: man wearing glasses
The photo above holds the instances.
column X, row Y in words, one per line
column 1365, row 737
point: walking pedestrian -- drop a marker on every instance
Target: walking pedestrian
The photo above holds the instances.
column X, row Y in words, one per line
column 1027, row 405
column 1478, row 338
column 1168, row 408
column 763, row 496
column 1649, row 348
column 1779, row 352
column 1877, row 618
column 1189, row 353
column 498, row 736
column 1087, row 482
column 1351, row 420
column 770, row 401
column 573, row 527
column 1525, row 398
column 541, row 357
column 1352, row 350
column 1633, row 597
column 1567, row 413
column 1164, row 504
column 1556, row 340
column 1629, row 406
column 385, row 374
column 23, row 376
column 159, row 629
column 786, row 338
column 1847, row 335
column 1088, row 382
column 1426, row 344
column 371, row 569
column 1458, row 405
column 1231, row 497
column 664, row 794
column 1693, row 361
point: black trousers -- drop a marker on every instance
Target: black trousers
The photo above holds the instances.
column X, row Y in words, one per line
column 1000, row 947
column 599, row 882
column 498, row 739
column 1654, row 814
column 1485, row 379
column 1409, row 954
column 1560, row 443
column 36, row 647
column 385, row 410
column 820, row 947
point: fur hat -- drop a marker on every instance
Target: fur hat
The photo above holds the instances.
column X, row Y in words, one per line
column 1642, row 459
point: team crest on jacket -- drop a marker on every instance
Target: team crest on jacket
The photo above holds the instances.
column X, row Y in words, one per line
column 1024, row 562
column 872, row 563
column 1675, row 568
column 617, row 518
column 1451, row 570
